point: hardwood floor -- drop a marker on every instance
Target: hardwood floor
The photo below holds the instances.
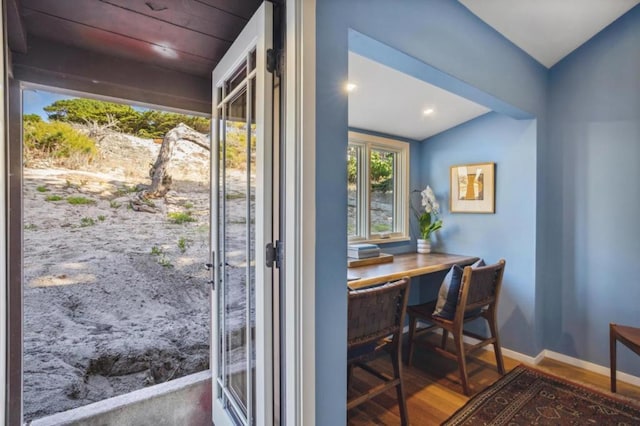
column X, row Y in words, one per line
column 434, row 393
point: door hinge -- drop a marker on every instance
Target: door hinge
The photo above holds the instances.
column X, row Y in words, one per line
column 211, row 268
column 274, row 61
column 274, row 253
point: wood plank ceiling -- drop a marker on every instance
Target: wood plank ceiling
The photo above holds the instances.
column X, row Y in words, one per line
column 189, row 36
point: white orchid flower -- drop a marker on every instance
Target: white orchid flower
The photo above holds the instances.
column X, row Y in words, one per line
column 430, row 193
column 425, row 198
column 429, row 221
column 429, row 200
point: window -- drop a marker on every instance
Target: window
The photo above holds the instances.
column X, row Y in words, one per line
column 378, row 188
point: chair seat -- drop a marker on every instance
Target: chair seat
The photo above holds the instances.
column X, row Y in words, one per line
column 425, row 311
column 365, row 350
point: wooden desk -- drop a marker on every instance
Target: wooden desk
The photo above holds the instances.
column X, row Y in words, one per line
column 405, row 265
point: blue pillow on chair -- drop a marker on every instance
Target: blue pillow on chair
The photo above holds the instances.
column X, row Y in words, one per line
column 448, row 293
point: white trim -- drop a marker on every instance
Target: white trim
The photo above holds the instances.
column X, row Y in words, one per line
column 402, row 194
column 4, row 333
column 518, row 356
column 576, row 362
column 300, row 214
column 214, row 184
column 380, row 141
column 219, row 408
column 257, row 34
column 264, row 223
column 590, row 366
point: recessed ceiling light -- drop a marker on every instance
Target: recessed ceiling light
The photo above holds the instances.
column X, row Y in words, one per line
column 428, row 111
column 164, row 50
column 351, row 87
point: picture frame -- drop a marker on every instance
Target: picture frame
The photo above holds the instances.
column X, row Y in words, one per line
column 472, row 188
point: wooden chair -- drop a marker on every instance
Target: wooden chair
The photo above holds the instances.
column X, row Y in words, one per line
column 376, row 319
column 628, row 336
column 478, row 298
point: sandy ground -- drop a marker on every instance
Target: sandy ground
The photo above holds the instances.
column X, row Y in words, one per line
column 114, row 300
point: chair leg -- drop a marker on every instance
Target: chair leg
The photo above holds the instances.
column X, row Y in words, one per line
column 397, row 370
column 462, row 364
column 497, row 349
column 499, row 360
column 413, row 321
column 445, row 336
column 612, row 355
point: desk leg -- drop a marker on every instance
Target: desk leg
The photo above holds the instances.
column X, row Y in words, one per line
column 612, row 355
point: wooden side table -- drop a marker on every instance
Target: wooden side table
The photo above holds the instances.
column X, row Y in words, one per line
column 628, row 336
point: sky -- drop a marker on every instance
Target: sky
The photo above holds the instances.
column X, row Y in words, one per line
column 34, row 100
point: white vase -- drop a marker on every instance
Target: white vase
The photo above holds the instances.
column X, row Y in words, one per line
column 424, row 246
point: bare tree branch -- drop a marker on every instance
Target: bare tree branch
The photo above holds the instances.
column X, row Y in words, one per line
column 160, row 181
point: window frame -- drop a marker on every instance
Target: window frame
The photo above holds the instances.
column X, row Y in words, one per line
column 366, row 143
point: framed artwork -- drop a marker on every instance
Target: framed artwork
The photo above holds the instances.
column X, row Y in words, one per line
column 473, row 188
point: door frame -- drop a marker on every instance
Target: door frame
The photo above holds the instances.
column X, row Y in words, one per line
column 3, row 216
column 299, row 216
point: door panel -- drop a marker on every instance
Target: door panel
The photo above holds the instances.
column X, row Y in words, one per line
column 242, row 212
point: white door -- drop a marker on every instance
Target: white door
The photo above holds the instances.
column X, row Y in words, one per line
column 241, row 224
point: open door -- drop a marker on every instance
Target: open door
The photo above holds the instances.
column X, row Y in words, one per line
column 241, row 227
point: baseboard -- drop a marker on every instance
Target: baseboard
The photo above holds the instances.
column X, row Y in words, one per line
column 576, row 362
column 546, row 353
column 534, row 360
column 590, row 366
column 507, row 352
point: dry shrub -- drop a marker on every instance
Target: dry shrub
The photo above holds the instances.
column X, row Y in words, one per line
column 57, row 143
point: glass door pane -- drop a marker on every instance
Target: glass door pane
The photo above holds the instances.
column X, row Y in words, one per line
column 236, row 292
column 354, row 192
column 383, row 207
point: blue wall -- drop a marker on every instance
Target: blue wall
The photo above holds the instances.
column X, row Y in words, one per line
column 449, row 38
column 510, row 233
column 594, row 155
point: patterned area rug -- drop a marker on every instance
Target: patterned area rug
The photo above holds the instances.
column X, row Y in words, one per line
column 530, row 397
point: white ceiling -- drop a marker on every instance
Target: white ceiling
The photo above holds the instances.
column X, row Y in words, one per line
column 548, row 30
column 392, row 102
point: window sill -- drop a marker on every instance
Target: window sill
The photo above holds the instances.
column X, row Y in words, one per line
column 381, row 240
